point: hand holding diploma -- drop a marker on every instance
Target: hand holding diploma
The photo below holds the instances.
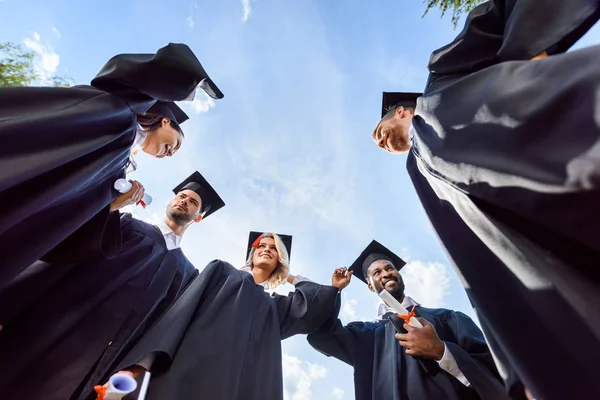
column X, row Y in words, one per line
column 132, row 192
column 422, row 342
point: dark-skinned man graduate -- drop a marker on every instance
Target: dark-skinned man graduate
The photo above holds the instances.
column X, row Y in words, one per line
column 445, row 359
column 67, row 326
column 505, row 158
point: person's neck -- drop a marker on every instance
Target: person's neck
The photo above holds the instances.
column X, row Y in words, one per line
column 177, row 229
column 260, row 275
column 400, row 297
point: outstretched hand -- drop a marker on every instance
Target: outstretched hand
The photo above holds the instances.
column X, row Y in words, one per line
column 341, row 278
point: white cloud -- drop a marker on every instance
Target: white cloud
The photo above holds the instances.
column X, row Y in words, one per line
column 247, row 10
column 298, row 377
column 337, row 393
column 348, row 311
column 201, row 103
column 46, row 60
column 56, row 32
column 427, row 283
column 190, row 21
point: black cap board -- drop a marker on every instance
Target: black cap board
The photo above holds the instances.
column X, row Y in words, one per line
column 255, row 237
column 211, row 201
column 170, row 110
column 374, row 251
column 393, row 100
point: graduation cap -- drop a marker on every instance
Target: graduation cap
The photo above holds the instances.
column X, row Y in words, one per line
column 374, row 251
column 255, row 238
column 170, row 110
column 211, row 201
column 393, row 100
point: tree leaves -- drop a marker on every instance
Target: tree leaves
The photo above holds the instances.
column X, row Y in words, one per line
column 16, row 68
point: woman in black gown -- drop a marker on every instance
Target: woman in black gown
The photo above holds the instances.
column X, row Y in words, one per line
column 62, row 149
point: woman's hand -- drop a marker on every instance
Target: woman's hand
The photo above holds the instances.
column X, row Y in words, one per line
column 132, row 197
column 290, row 279
column 341, row 278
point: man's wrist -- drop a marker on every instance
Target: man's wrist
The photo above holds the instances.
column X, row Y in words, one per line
column 440, row 350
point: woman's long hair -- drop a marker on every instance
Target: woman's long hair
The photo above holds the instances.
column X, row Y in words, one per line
column 151, row 122
column 282, row 270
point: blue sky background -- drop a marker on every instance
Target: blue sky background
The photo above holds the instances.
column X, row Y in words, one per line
column 289, row 146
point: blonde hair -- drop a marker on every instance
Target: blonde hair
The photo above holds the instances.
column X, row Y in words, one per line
column 282, row 270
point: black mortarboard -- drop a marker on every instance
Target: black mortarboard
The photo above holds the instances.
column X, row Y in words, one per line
column 169, row 110
column 255, row 237
column 211, row 201
column 393, row 100
column 374, row 251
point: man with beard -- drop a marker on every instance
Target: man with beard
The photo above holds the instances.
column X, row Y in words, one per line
column 445, row 359
column 65, row 327
column 505, row 158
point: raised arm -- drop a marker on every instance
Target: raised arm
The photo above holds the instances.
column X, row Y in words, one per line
column 305, row 310
column 172, row 74
column 513, row 30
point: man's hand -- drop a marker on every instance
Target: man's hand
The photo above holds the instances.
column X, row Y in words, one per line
column 341, row 278
column 132, row 197
column 422, row 342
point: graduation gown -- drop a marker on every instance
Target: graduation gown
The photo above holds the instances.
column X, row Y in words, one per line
column 63, row 148
column 506, row 162
column 382, row 370
column 67, row 326
column 222, row 339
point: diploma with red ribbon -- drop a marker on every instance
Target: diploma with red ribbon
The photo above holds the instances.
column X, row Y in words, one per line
column 408, row 317
column 124, row 186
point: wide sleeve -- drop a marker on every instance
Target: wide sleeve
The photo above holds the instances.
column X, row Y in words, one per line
column 304, row 310
column 98, row 238
column 512, row 30
column 336, row 340
column 172, row 74
column 473, row 357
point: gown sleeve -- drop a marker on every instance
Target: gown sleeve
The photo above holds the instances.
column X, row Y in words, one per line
column 511, row 30
column 473, row 356
column 336, row 340
column 172, row 74
column 307, row 308
column 99, row 238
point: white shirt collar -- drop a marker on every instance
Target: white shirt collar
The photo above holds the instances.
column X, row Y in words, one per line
column 407, row 303
column 171, row 239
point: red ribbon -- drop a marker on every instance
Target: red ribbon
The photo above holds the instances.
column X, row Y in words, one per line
column 408, row 316
column 101, row 391
column 257, row 241
column 141, row 202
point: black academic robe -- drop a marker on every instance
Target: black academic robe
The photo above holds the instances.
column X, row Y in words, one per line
column 506, row 162
column 222, row 339
column 382, row 370
column 67, row 326
column 63, row 148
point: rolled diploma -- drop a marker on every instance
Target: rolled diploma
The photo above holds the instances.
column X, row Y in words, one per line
column 119, row 386
column 396, row 306
column 124, row 186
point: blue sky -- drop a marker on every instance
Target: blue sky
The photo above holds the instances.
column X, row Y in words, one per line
column 289, row 147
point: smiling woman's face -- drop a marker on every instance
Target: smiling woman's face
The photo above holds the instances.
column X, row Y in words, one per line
column 265, row 255
column 164, row 141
